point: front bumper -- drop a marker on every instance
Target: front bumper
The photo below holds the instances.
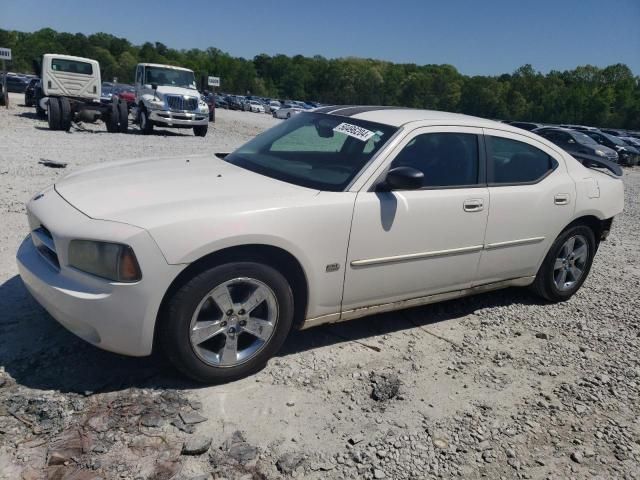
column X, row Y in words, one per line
column 179, row 119
column 119, row 317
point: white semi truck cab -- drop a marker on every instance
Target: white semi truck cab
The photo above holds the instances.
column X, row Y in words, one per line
column 167, row 96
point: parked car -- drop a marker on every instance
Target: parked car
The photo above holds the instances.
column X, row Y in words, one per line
column 526, row 125
column 576, row 142
column 273, row 106
column 16, row 84
column 30, row 92
column 218, row 278
column 614, row 132
column 627, row 154
column 254, row 106
column 235, row 103
column 126, row 93
column 633, row 141
column 287, row 111
column 220, row 102
column 106, row 92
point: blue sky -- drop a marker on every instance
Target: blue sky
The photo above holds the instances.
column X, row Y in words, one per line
column 478, row 38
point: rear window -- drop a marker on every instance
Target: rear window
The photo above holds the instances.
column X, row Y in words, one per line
column 71, row 66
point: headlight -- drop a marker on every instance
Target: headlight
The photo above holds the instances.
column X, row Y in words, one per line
column 601, row 153
column 203, row 107
column 158, row 104
column 112, row 261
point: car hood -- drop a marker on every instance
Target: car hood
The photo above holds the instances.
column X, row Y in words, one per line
column 150, row 192
column 169, row 90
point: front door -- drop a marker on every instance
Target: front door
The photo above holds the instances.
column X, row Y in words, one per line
column 408, row 244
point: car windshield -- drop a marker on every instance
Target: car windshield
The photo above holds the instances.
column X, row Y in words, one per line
column 170, row 77
column 613, row 139
column 584, row 139
column 313, row 150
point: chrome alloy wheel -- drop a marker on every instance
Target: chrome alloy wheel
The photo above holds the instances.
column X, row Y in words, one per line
column 233, row 322
column 571, row 262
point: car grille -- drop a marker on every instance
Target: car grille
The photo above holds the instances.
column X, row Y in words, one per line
column 43, row 241
column 177, row 102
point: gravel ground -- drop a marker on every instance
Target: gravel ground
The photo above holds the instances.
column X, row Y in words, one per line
column 499, row 385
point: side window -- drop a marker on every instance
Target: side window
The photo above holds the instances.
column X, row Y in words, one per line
column 510, row 161
column 446, row 159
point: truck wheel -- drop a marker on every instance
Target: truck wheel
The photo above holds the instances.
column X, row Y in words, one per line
column 200, row 130
column 123, row 116
column 146, row 127
column 54, row 113
column 65, row 114
column 112, row 119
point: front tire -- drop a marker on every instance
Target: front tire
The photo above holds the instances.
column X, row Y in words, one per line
column 226, row 322
column 567, row 264
column 146, row 127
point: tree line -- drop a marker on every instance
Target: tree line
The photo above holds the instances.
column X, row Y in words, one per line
column 587, row 95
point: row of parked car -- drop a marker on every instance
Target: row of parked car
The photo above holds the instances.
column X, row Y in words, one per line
column 619, row 146
column 251, row 103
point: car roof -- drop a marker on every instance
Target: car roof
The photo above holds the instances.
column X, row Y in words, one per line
column 70, row 57
column 399, row 116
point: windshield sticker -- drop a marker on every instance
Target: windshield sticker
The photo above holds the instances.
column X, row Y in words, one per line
column 354, row 131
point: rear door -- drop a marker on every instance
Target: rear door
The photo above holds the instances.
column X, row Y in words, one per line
column 532, row 198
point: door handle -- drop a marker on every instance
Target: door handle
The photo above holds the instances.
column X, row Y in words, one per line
column 561, row 199
column 473, row 205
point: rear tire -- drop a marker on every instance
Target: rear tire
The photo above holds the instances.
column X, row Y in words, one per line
column 112, row 119
column 555, row 281
column 200, row 130
column 202, row 298
column 54, row 113
column 123, row 117
column 65, row 114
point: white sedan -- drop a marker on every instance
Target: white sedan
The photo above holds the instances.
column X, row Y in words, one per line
column 287, row 111
column 333, row 215
column 254, row 106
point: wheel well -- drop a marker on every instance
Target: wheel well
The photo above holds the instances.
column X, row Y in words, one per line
column 599, row 227
column 275, row 257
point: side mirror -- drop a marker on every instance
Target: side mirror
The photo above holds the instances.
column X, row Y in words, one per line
column 154, row 86
column 402, row 178
column 571, row 141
